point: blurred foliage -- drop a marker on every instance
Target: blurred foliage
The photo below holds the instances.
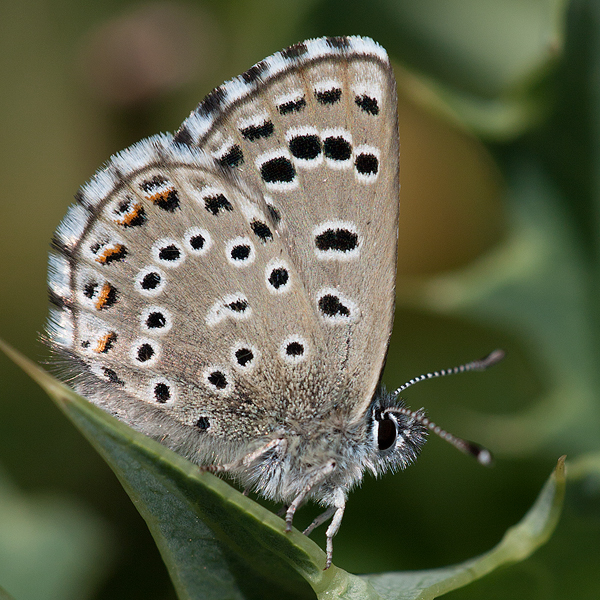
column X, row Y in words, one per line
column 499, row 116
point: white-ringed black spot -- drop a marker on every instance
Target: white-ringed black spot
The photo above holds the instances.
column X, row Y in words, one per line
column 337, row 148
column 305, row 147
column 156, row 320
column 256, row 132
column 238, row 306
column 112, row 376
column 278, row 277
column 243, row 356
column 150, row 281
column 217, row 204
column 261, row 230
column 169, row 253
column 330, row 96
column 291, row 106
column 218, row 379
column 240, row 252
column 294, row 349
column 162, row 392
column 335, row 308
column 366, row 164
column 197, row 241
column 367, row 104
column 278, row 170
column 234, row 157
column 337, row 239
column 144, row 352
column 331, row 306
column 203, row 423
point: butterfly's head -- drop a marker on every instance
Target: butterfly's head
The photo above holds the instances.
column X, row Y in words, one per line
column 396, row 435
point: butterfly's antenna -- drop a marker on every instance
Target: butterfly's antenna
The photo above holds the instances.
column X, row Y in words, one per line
column 483, row 455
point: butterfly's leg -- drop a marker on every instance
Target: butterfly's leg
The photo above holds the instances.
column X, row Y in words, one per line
column 314, row 480
column 245, row 460
column 334, row 526
column 320, row 519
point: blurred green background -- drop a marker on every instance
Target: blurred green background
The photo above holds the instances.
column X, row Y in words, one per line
column 499, row 104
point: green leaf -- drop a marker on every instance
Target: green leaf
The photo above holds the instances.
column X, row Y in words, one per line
column 217, row 543
column 518, row 543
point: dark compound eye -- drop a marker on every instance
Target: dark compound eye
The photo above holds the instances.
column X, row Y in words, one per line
column 386, row 433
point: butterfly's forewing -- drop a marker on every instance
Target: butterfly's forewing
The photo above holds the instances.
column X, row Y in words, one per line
column 211, row 291
column 314, row 129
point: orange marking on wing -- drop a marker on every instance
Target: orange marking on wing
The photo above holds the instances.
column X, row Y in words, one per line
column 131, row 215
column 109, row 253
column 104, row 296
column 161, row 196
column 105, row 343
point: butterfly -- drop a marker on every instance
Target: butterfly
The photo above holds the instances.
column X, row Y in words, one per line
column 229, row 289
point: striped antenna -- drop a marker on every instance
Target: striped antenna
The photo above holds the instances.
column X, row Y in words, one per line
column 483, row 455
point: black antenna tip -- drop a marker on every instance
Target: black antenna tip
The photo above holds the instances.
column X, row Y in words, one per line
column 483, row 455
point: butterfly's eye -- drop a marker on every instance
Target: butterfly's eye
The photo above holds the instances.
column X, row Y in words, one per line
column 386, row 433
